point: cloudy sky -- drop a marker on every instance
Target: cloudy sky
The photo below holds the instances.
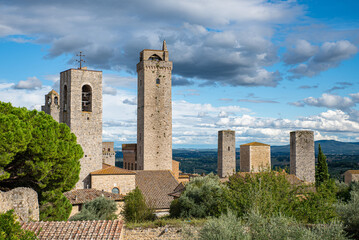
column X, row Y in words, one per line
column 262, row 68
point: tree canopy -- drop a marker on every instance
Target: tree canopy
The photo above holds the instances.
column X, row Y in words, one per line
column 38, row 152
column 321, row 170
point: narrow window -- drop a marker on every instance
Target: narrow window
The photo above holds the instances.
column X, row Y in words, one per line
column 86, row 98
column 109, row 149
column 115, row 190
column 125, row 165
column 229, row 148
column 65, row 98
column 157, row 81
column 56, row 100
column 135, row 166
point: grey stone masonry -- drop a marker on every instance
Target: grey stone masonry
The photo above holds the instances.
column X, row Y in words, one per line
column 81, row 110
column 302, row 158
column 154, row 110
column 52, row 105
column 108, row 153
column 226, row 153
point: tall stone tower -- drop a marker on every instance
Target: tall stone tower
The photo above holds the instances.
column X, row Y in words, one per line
column 255, row 157
column 302, row 159
column 226, row 162
column 52, row 105
column 81, row 110
column 154, row 110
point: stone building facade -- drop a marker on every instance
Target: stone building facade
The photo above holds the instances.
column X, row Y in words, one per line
column 226, row 162
column 23, row 200
column 52, row 105
column 108, row 153
column 154, row 110
column 351, row 176
column 129, row 156
column 254, row 157
column 302, row 156
column 81, row 110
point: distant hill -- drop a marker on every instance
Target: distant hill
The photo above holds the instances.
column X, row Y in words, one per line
column 328, row 147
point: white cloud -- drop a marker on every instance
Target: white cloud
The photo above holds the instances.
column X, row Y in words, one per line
column 330, row 101
column 31, row 83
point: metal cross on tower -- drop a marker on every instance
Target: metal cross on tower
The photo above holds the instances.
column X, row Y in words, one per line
column 81, row 60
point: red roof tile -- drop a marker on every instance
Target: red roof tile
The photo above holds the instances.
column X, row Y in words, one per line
column 112, row 170
column 104, row 229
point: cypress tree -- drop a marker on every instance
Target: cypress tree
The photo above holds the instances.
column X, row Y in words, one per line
column 321, row 170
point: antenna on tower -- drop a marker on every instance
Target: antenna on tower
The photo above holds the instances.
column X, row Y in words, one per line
column 81, row 60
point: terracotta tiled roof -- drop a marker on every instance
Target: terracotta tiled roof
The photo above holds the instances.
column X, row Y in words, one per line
column 353, row 171
column 112, row 170
column 178, row 191
column 53, row 92
column 155, row 185
column 105, row 165
column 103, row 229
column 255, row 144
column 79, row 196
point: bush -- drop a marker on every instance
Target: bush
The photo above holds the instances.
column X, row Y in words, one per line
column 203, row 196
column 100, row 208
column 255, row 226
column 349, row 212
column 136, row 209
column 270, row 193
column 11, row 229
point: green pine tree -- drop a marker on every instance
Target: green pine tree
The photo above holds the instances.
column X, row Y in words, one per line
column 321, row 170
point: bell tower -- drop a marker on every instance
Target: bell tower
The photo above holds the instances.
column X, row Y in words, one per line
column 154, row 110
column 81, row 110
column 52, row 105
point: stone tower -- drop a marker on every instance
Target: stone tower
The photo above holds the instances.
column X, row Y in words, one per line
column 81, row 110
column 154, row 110
column 302, row 159
column 254, row 157
column 52, row 105
column 226, row 153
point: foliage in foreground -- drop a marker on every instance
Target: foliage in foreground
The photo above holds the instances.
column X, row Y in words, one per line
column 100, row 208
column 321, row 169
column 39, row 153
column 270, row 193
column 203, row 196
column 349, row 212
column 136, row 209
column 255, row 226
column 11, row 229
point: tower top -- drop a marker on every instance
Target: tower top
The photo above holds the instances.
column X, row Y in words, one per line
column 81, row 60
column 164, row 46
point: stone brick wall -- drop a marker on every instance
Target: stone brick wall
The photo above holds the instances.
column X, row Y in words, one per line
column 125, row 183
column 175, row 169
column 108, row 153
column 226, row 162
column 254, row 157
column 166, row 232
column 24, row 201
column 52, row 105
column 154, row 111
column 86, row 125
column 302, row 158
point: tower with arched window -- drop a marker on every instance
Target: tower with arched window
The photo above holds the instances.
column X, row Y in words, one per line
column 52, row 105
column 81, row 110
column 154, row 110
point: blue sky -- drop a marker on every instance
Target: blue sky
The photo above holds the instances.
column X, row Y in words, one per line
column 262, row 68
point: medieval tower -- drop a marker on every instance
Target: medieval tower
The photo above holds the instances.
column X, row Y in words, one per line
column 302, row 158
column 52, row 105
column 81, row 110
column 226, row 153
column 154, row 110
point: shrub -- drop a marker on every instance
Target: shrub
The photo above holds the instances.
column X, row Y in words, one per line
column 100, row 208
column 349, row 213
column 203, row 196
column 136, row 209
column 11, row 229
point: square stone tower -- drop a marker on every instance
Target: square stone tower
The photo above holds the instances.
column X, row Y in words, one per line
column 129, row 156
column 226, row 153
column 302, row 158
column 81, row 110
column 254, row 157
column 52, row 105
column 154, row 110
column 108, row 153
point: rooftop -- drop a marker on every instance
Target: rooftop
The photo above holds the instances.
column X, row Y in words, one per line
column 112, row 170
column 104, row 229
column 255, row 144
column 353, row 171
column 80, row 196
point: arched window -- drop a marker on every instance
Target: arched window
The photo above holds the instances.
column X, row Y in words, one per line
column 115, row 190
column 155, row 57
column 86, row 98
column 56, row 100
